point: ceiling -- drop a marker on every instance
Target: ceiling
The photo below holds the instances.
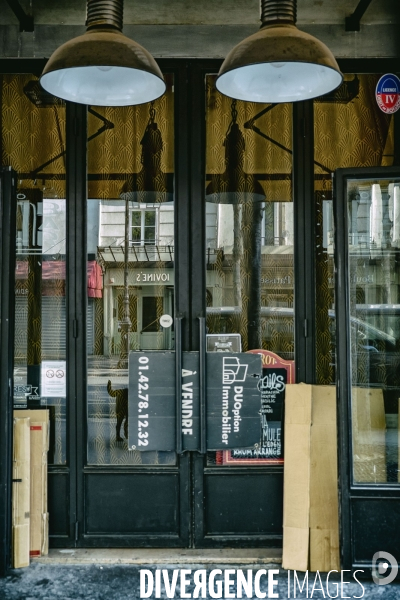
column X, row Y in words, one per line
column 202, row 28
column 195, row 12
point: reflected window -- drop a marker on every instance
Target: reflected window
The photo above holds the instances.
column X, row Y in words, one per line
column 249, row 236
column 350, row 130
column 144, row 227
column 130, row 254
column 33, row 143
column 374, row 302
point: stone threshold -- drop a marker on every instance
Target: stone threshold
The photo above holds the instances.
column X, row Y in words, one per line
column 161, row 556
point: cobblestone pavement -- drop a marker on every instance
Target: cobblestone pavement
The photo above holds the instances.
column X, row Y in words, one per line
column 122, row 582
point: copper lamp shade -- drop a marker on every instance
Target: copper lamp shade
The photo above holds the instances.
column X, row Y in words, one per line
column 103, row 67
column 279, row 63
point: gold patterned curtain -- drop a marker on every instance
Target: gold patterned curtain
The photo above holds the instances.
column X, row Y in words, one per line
column 33, row 133
column 249, row 199
column 267, row 132
column 350, row 130
column 115, row 149
column 32, row 141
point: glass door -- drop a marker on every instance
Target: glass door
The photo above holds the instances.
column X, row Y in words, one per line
column 7, row 257
column 249, row 300
column 129, row 299
column 368, row 334
column 33, row 133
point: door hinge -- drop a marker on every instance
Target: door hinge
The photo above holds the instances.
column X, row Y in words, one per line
column 75, row 328
column 305, row 328
column 76, row 531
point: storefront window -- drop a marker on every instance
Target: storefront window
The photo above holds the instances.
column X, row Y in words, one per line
column 130, row 263
column 33, row 144
column 373, row 262
column 350, row 130
column 249, row 229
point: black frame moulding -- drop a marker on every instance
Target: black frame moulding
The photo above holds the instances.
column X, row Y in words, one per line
column 7, row 269
column 363, row 508
column 87, row 475
column 189, row 296
column 209, row 481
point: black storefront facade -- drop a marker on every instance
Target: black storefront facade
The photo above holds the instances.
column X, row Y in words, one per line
column 100, row 495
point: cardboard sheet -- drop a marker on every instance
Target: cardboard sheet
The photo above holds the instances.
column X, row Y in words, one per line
column 324, row 505
column 21, row 493
column 296, row 489
column 311, row 519
column 39, row 446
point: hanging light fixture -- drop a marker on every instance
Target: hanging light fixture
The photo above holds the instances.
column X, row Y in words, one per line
column 103, row 67
column 279, row 63
column 234, row 186
column 151, row 185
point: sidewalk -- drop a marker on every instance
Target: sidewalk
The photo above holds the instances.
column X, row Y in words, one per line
column 48, row 580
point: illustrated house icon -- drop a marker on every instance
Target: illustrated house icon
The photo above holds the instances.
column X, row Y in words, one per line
column 233, row 370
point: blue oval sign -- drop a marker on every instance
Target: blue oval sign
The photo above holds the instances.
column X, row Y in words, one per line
column 388, row 93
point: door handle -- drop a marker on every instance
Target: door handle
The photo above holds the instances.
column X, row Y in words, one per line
column 178, row 382
column 202, row 385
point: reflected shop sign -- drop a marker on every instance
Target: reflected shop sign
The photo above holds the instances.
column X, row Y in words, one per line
column 53, row 384
column 244, row 403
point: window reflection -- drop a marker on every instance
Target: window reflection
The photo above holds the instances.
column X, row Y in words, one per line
column 374, row 330
column 33, row 144
column 350, row 130
column 249, row 229
column 131, row 249
column 144, row 226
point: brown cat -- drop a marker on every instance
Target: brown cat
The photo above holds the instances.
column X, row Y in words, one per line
column 121, row 408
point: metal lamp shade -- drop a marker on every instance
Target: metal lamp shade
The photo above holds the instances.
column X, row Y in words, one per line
column 225, row 189
column 151, row 185
column 234, row 185
column 279, row 63
column 157, row 192
column 103, row 68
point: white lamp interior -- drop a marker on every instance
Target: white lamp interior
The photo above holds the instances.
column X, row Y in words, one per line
column 278, row 82
column 103, row 86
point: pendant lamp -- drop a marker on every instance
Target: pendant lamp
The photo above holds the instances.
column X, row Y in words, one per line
column 279, row 63
column 234, row 185
column 151, row 185
column 103, row 67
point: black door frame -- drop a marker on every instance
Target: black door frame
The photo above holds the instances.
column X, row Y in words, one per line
column 355, row 499
column 182, row 310
column 189, row 177
column 304, row 276
column 7, row 269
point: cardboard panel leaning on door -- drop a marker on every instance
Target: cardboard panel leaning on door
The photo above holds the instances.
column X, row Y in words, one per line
column 39, row 446
column 310, row 511
column 324, row 497
column 296, row 492
column 21, row 493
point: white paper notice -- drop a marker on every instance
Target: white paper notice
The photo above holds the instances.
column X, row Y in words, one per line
column 54, row 379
